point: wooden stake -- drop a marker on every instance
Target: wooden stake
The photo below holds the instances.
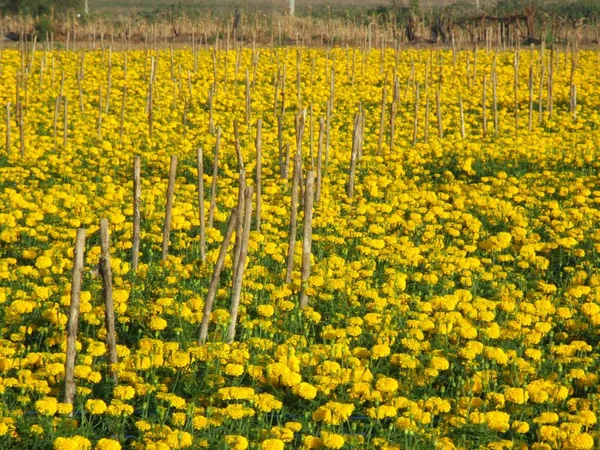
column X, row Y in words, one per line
column 107, row 293
column 237, row 249
column 416, row 118
column 495, row 100
column 320, row 158
column 7, row 129
column 215, row 173
column 137, row 200
column 239, row 273
column 381, row 119
column 293, row 216
column 123, row 100
column 484, row 107
column 200, row 164
column 307, row 238
column 438, row 104
column 353, row 156
column 73, row 324
column 65, row 123
column 462, row 116
column 169, row 209
column 530, row 121
column 258, row 173
column 214, row 281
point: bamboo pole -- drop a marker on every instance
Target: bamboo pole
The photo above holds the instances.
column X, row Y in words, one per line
column 293, row 216
column 484, row 107
column 280, row 144
column 213, row 187
column 200, row 165
column 137, row 200
column 381, row 119
column 495, row 100
column 462, row 116
column 73, row 323
column 107, row 293
column 258, row 173
column 426, row 125
column 237, row 249
column 169, row 208
column 65, row 123
column 320, row 159
column 123, row 100
column 416, row 118
column 354, row 156
column 307, row 238
column 241, row 264
column 530, row 118
column 438, row 104
column 516, row 90
column 214, row 281
column 7, row 129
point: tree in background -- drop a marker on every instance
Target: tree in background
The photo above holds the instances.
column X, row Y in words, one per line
column 38, row 8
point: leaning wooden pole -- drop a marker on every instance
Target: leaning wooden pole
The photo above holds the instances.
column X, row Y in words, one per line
column 169, row 209
column 73, row 323
column 241, row 264
column 297, row 177
column 215, row 174
column 137, row 200
column 214, row 281
column 258, row 173
column 307, row 238
column 107, row 293
column 200, row 164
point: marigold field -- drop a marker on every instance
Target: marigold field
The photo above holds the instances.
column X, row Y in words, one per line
column 453, row 301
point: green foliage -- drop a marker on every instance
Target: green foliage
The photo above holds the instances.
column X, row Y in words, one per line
column 37, row 8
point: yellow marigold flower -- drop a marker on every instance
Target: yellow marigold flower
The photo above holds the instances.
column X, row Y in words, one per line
column 43, row 262
column 65, row 408
column 332, row 440
column 440, row 363
column 520, row 427
column 72, row 443
column 158, row 324
column 236, row 442
column 305, row 390
column 180, row 439
column 312, row 442
column 95, row 406
column 386, row 384
column 497, row 420
column 47, row 406
column 516, row 395
column 380, row 351
column 236, row 393
column 272, row 444
column 582, row 441
column 107, row 444
column 546, row 418
column 123, row 392
column 199, row 422
column 234, row 370
column 333, row 413
column 266, row 402
column 265, row 310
